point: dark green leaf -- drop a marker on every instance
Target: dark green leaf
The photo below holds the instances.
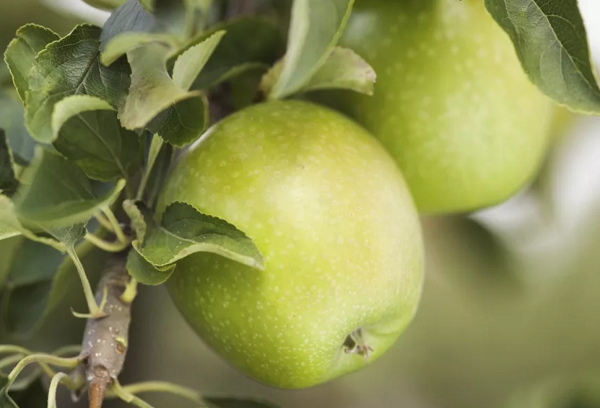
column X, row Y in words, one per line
column 550, row 40
column 168, row 18
column 155, row 101
column 30, row 281
column 35, row 396
column 67, row 67
column 146, row 273
column 39, row 283
column 223, row 402
column 12, row 121
column 8, row 181
column 249, row 42
column 56, row 193
column 158, row 174
column 315, row 28
column 21, row 52
column 184, row 231
column 5, row 400
column 88, row 132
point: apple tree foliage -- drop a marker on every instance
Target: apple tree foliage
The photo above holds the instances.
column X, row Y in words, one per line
column 91, row 121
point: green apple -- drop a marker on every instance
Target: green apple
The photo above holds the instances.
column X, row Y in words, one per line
column 335, row 222
column 452, row 104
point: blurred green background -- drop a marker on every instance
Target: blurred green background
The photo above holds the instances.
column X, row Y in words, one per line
column 510, row 315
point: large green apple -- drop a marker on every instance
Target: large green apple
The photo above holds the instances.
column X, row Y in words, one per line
column 452, row 104
column 330, row 212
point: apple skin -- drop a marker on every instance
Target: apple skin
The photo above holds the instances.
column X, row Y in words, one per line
column 331, row 214
column 452, row 104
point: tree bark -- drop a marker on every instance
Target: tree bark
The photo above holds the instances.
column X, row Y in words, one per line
column 105, row 339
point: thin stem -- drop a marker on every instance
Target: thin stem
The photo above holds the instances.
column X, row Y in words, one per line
column 95, row 311
column 155, row 147
column 104, row 222
column 53, row 387
column 9, row 348
column 10, row 361
column 127, row 396
column 105, row 245
column 161, row 386
column 116, row 226
column 41, row 359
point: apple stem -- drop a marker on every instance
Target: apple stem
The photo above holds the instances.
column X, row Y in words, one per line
column 105, row 339
column 355, row 344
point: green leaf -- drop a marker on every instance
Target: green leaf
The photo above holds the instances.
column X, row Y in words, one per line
column 146, row 273
column 87, row 131
column 50, row 275
column 139, row 215
column 8, row 181
column 343, row 69
column 21, row 52
column 224, row 402
column 8, row 248
column 248, row 42
column 155, row 101
column 10, row 226
column 71, row 66
column 169, row 17
column 315, row 28
column 189, row 64
column 12, row 121
column 56, row 193
column 550, row 40
column 105, row 4
column 30, row 281
column 119, row 45
column 184, row 231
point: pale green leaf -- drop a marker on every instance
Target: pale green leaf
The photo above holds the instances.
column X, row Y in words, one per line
column 157, row 103
column 119, row 45
column 189, row 64
column 21, row 52
column 343, row 69
column 315, row 28
column 551, row 42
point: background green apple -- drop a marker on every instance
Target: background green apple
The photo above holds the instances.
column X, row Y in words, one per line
column 451, row 104
column 331, row 214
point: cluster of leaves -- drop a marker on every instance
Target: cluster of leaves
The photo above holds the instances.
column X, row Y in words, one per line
column 95, row 118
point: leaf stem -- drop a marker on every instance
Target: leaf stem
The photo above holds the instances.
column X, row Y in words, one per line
column 116, row 226
column 161, row 386
column 95, row 311
column 127, row 396
column 155, row 147
column 42, row 359
column 104, row 222
column 53, row 387
column 105, row 245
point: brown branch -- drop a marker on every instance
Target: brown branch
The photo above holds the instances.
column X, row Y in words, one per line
column 105, row 339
